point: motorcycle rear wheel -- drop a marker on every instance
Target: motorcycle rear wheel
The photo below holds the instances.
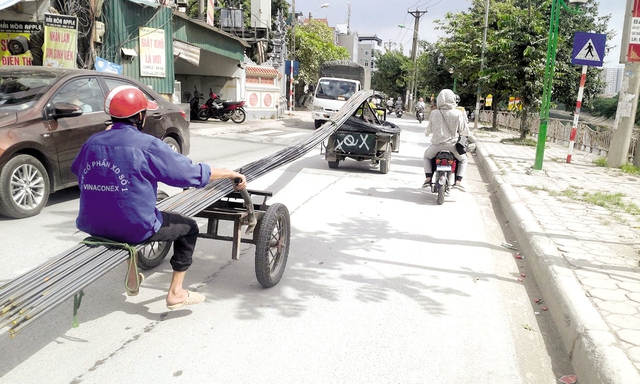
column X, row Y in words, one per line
column 238, row 116
column 203, row 115
column 441, row 187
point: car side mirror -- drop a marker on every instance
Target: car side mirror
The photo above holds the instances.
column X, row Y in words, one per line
column 59, row 110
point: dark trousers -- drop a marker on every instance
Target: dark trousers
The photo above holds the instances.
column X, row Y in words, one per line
column 183, row 231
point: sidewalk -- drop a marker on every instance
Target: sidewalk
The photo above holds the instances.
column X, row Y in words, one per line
column 584, row 256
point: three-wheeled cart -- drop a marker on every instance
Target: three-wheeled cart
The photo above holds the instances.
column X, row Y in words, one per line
column 364, row 136
column 268, row 225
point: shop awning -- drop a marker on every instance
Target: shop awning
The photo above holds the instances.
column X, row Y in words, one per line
column 187, row 52
column 148, row 3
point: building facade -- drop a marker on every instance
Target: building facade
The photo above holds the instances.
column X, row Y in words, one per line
column 613, row 78
column 367, row 46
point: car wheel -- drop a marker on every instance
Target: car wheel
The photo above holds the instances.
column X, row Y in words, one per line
column 24, row 187
column 175, row 147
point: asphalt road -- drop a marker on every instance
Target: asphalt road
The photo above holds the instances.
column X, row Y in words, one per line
column 382, row 286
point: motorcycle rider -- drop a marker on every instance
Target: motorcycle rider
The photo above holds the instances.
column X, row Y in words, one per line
column 390, row 105
column 420, row 106
column 446, row 123
column 118, row 173
column 399, row 105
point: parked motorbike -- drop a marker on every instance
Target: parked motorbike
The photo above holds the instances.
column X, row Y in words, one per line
column 215, row 108
column 420, row 114
column 444, row 176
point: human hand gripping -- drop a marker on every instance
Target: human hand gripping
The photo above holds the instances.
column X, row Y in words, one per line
column 239, row 181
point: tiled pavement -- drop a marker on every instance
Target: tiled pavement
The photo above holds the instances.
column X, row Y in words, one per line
column 585, row 256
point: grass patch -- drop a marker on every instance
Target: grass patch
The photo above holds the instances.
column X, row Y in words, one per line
column 630, row 168
column 518, row 141
column 489, row 129
column 612, row 201
column 600, row 161
column 569, row 193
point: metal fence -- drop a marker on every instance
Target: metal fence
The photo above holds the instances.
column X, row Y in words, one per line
column 587, row 139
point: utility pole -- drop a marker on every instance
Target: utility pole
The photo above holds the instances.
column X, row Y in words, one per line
column 417, row 14
column 484, row 48
column 294, row 21
column 628, row 98
column 389, row 45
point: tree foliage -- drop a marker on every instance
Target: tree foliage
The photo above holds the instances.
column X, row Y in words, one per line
column 433, row 72
column 313, row 46
column 514, row 55
column 516, row 50
column 392, row 75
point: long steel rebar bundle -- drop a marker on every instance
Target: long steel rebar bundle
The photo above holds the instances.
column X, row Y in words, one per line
column 32, row 294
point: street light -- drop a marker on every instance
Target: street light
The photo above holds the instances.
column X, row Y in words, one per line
column 455, row 79
column 414, row 58
column 325, row 5
column 552, row 42
column 484, row 48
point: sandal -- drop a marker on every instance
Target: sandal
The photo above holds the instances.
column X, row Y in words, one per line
column 134, row 292
column 192, row 298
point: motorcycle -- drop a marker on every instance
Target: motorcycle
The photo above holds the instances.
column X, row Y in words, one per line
column 445, row 171
column 420, row 115
column 215, row 108
column 399, row 112
column 389, row 109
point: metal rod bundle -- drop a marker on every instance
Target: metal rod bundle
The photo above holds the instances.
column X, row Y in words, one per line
column 31, row 295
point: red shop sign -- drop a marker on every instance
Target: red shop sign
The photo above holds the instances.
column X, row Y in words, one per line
column 633, row 54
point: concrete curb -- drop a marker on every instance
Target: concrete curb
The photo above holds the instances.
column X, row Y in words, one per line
column 593, row 348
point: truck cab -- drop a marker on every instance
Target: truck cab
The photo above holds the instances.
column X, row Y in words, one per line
column 330, row 95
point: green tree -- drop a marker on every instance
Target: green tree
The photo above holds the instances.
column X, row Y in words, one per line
column 313, row 46
column 433, row 72
column 393, row 72
column 516, row 51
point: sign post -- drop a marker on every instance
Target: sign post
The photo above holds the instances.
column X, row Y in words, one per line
column 588, row 50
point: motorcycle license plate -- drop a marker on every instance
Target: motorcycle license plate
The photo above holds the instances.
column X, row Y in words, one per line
column 443, row 168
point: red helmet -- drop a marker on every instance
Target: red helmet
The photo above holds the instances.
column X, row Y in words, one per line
column 126, row 101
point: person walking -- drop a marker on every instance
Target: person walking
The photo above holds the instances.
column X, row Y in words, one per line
column 118, row 172
column 446, row 123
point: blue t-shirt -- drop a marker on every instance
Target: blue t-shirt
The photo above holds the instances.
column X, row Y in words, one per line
column 118, row 173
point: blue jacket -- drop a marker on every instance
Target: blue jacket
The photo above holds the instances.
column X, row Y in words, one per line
column 118, row 173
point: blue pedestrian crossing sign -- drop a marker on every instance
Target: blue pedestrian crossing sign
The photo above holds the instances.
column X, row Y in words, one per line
column 588, row 49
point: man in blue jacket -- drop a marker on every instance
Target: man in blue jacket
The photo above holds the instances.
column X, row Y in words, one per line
column 118, row 173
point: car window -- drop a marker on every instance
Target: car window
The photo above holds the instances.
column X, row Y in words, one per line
column 84, row 92
column 20, row 90
column 112, row 83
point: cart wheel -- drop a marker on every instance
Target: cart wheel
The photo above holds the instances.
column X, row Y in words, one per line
column 154, row 253
column 272, row 247
column 385, row 162
column 333, row 164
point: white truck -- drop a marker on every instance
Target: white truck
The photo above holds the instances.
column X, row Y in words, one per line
column 339, row 79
